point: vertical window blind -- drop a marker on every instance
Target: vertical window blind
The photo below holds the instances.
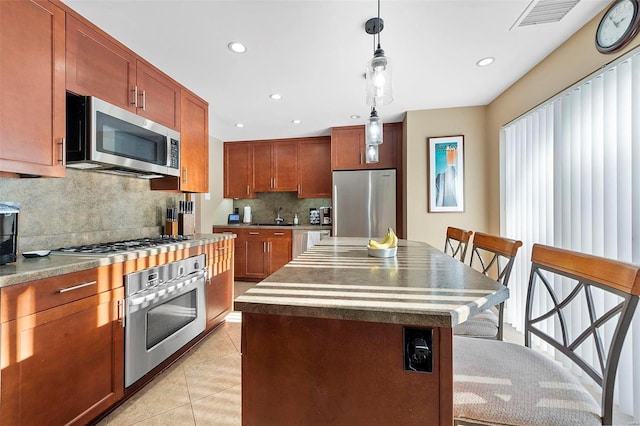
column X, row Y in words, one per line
column 570, row 177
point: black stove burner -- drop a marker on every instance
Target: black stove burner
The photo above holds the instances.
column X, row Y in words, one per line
column 122, row 246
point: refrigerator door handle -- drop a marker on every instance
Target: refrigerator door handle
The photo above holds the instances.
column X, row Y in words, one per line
column 334, row 225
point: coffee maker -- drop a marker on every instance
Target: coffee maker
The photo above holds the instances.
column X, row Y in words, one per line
column 325, row 215
column 8, row 231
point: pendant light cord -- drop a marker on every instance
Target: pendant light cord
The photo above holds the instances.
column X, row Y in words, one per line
column 379, row 29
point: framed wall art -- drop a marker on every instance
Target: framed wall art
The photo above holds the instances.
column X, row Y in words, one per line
column 445, row 174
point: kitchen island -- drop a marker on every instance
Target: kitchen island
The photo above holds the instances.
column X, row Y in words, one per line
column 338, row 337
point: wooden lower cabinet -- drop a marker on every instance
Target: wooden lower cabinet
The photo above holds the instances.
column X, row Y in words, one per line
column 61, row 364
column 220, row 285
column 259, row 252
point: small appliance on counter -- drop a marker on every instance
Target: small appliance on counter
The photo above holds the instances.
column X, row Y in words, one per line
column 246, row 218
column 325, row 215
column 8, row 231
column 314, row 217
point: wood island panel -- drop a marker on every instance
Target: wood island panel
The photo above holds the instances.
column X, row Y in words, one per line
column 341, row 372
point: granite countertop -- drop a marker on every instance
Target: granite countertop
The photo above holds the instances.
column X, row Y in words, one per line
column 29, row 269
column 337, row 279
column 274, row 226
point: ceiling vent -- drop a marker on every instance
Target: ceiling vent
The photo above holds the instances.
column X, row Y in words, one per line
column 544, row 12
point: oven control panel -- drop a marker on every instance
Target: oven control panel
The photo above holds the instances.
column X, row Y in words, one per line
column 159, row 275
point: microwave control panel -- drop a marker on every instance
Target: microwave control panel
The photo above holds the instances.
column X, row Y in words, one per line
column 174, row 154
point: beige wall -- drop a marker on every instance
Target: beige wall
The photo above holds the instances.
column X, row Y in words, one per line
column 213, row 208
column 571, row 62
column 419, row 125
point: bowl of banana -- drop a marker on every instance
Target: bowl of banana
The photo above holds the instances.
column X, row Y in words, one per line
column 386, row 247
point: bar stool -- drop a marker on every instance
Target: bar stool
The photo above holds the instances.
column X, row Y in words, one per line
column 456, row 243
column 504, row 383
column 495, row 256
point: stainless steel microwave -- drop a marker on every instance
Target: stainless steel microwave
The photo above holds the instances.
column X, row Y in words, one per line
column 106, row 138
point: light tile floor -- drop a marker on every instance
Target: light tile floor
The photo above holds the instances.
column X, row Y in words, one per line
column 203, row 387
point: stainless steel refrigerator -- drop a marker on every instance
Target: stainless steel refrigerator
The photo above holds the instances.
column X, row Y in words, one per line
column 364, row 203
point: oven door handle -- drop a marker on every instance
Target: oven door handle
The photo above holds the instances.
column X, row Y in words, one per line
column 167, row 291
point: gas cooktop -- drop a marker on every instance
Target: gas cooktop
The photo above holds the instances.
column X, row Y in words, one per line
column 117, row 247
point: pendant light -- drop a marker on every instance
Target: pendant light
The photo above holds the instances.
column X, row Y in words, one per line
column 378, row 75
column 373, row 136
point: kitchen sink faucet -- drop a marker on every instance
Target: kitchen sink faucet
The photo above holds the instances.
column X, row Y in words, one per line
column 279, row 219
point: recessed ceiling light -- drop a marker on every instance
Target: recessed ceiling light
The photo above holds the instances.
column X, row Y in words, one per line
column 485, row 61
column 239, row 125
column 355, row 117
column 296, row 121
column 275, row 96
column 237, row 47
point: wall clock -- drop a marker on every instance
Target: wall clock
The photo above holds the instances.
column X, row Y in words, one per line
column 618, row 26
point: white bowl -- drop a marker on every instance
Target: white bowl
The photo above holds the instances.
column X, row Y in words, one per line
column 390, row 252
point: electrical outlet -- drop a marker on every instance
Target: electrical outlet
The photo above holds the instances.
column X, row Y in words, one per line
column 418, row 349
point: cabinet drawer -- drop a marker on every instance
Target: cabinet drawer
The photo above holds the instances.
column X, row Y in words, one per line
column 35, row 296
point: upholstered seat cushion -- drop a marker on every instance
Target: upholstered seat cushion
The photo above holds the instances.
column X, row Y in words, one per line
column 502, row 383
column 484, row 324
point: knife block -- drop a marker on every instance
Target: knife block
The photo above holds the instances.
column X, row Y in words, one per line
column 171, row 228
column 186, row 224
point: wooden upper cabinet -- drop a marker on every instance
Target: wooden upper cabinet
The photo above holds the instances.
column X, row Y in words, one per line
column 275, row 166
column 194, row 148
column 158, row 96
column 348, row 148
column 32, row 88
column 347, row 144
column 314, row 168
column 97, row 66
column 238, row 170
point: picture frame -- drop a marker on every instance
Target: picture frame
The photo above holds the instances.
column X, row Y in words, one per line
column 445, row 174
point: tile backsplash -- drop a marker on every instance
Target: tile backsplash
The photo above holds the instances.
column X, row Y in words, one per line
column 264, row 209
column 84, row 208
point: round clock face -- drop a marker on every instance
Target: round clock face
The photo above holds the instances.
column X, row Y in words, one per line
column 618, row 26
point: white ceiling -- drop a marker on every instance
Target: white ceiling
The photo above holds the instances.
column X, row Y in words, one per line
column 314, row 53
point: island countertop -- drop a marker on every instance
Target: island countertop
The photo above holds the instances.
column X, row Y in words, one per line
column 336, row 279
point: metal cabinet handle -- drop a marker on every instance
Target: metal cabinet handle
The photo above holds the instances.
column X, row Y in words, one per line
column 223, row 248
column 270, row 246
column 76, row 287
column 135, row 96
column 264, row 246
column 61, row 145
column 254, row 233
column 121, row 315
column 275, row 183
column 360, row 158
column 278, row 233
column 185, row 175
column 247, row 189
column 298, row 188
column 144, row 100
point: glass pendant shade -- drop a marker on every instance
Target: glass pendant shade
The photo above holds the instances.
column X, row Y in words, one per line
column 373, row 129
column 379, row 88
column 372, row 154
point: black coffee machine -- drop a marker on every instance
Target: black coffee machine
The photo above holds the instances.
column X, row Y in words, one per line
column 8, row 231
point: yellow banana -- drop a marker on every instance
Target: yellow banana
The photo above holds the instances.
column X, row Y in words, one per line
column 390, row 240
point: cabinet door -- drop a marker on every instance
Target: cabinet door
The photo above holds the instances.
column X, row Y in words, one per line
column 97, row 66
column 285, row 165
column 387, row 152
column 69, row 358
column 194, row 148
column 279, row 251
column 158, row 96
column 220, row 286
column 32, row 88
column 347, row 144
column 314, row 168
column 256, row 257
column 262, row 167
column 237, row 170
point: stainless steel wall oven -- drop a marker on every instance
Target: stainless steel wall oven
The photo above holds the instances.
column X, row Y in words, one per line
column 165, row 308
